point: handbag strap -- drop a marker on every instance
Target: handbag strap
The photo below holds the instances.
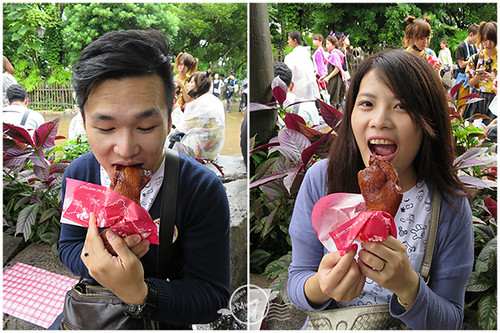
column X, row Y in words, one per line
column 168, row 211
column 431, row 239
column 25, row 117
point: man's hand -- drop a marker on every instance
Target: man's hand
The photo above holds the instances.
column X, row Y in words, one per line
column 134, row 243
column 123, row 274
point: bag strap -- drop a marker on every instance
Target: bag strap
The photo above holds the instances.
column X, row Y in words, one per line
column 168, row 211
column 25, row 117
column 431, row 239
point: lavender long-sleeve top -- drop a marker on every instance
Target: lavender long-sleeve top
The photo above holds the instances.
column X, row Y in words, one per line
column 439, row 304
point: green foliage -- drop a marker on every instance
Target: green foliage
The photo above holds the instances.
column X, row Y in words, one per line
column 373, row 26
column 87, row 21
column 72, row 149
column 213, row 32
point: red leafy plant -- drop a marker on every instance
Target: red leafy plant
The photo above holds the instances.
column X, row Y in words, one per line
column 32, row 182
column 280, row 166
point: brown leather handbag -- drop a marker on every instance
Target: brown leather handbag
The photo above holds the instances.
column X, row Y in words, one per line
column 93, row 307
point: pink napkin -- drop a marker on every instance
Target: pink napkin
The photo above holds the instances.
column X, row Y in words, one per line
column 34, row 294
column 341, row 218
column 122, row 215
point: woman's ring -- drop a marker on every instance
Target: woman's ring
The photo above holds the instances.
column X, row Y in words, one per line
column 382, row 268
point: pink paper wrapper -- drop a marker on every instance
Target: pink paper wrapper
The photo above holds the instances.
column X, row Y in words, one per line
column 113, row 210
column 341, row 218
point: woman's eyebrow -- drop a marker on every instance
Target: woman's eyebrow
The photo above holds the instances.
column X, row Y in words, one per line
column 366, row 95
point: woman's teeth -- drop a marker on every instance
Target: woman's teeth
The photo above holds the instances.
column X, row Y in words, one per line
column 380, row 142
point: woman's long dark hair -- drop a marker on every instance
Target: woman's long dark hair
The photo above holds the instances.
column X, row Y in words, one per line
column 420, row 90
column 295, row 35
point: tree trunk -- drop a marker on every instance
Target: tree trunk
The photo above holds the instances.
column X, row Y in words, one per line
column 262, row 123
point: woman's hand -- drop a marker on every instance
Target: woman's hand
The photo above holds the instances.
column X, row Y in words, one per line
column 178, row 82
column 487, row 76
column 324, row 78
column 134, row 242
column 338, row 277
column 387, row 264
column 123, row 274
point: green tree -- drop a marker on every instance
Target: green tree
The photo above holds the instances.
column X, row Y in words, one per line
column 215, row 33
column 84, row 22
column 373, row 26
column 30, row 54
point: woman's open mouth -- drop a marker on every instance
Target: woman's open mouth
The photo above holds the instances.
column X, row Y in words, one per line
column 382, row 149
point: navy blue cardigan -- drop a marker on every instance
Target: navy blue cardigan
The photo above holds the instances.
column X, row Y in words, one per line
column 200, row 255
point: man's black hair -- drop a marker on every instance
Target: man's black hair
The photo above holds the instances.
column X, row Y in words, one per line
column 123, row 54
column 284, row 72
column 16, row 93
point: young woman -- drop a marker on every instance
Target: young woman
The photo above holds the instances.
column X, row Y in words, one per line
column 185, row 65
column 418, row 37
column 396, row 110
column 299, row 61
column 334, row 78
column 204, row 120
column 447, row 61
column 320, row 58
column 482, row 71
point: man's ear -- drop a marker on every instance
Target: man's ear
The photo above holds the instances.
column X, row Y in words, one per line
column 26, row 101
column 290, row 88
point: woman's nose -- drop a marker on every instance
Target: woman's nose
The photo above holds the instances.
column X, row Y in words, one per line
column 381, row 117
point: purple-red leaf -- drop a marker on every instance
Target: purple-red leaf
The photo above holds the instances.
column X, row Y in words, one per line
column 46, row 134
column 267, row 179
column 279, row 90
column 455, row 88
column 474, row 100
column 471, row 96
column 259, row 107
column 292, row 143
column 17, row 133
column 332, row 116
column 311, row 150
column 292, row 121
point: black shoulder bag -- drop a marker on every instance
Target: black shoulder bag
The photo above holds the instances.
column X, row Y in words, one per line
column 93, row 307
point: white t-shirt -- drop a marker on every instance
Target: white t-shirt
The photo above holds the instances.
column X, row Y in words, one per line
column 13, row 114
column 412, row 222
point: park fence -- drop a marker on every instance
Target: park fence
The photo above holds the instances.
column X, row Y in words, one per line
column 52, row 96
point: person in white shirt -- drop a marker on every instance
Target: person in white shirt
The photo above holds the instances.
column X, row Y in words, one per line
column 447, row 61
column 305, row 109
column 203, row 125
column 302, row 67
column 16, row 111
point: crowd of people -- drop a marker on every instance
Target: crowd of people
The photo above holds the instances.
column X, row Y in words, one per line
column 198, row 113
column 325, row 73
